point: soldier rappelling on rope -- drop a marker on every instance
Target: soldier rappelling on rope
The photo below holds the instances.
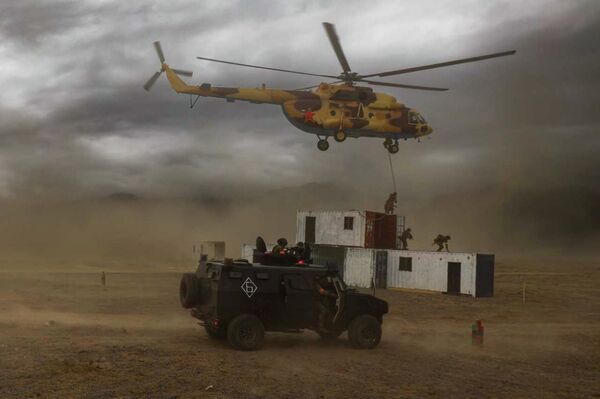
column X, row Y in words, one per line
column 390, row 204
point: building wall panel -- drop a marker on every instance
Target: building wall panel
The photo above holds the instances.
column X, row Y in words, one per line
column 358, row 269
column 329, row 227
column 430, row 270
column 324, row 254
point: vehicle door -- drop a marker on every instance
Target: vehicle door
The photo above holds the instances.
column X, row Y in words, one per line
column 299, row 300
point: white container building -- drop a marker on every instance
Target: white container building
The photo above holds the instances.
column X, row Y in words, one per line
column 351, row 228
column 363, row 246
column 456, row 273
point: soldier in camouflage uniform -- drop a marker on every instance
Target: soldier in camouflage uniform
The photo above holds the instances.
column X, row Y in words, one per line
column 280, row 248
column 390, row 204
column 441, row 241
column 406, row 235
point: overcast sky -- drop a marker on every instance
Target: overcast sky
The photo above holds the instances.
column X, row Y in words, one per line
column 75, row 121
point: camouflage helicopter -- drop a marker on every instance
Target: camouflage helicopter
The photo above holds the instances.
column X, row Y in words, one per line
column 340, row 108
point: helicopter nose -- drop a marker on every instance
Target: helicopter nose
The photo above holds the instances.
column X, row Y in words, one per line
column 425, row 130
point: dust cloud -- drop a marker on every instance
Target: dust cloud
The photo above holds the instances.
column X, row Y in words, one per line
column 125, row 228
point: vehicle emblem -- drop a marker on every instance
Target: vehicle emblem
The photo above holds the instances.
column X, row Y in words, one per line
column 249, row 287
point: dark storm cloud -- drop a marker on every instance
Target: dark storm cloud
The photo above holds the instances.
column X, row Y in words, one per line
column 75, row 122
column 30, row 21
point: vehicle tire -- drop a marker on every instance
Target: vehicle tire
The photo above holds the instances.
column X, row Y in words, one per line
column 323, row 145
column 394, row 148
column 328, row 335
column 189, row 291
column 364, row 332
column 215, row 334
column 339, row 136
column 246, row 332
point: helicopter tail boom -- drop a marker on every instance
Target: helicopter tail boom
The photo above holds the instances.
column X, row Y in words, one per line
column 176, row 82
column 258, row 95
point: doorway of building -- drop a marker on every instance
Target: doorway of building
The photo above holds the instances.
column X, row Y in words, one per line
column 309, row 229
column 453, row 278
column 384, row 231
column 381, row 269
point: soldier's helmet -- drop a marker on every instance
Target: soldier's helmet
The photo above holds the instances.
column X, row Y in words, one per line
column 282, row 242
column 447, row 237
column 300, row 244
column 408, row 229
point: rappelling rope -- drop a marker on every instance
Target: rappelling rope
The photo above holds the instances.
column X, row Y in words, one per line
column 392, row 170
column 393, row 183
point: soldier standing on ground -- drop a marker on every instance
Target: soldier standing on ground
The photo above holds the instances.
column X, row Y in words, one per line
column 103, row 279
column 326, row 301
column 406, row 235
column 441, row 241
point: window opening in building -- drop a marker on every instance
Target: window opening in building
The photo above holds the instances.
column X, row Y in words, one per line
column 405, row 264
column 348, row 223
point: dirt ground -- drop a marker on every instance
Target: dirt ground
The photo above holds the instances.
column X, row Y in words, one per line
column 62, row 335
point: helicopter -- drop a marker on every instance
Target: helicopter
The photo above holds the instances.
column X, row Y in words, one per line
column 338, row 109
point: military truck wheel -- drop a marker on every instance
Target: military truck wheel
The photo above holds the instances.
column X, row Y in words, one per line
column 328, row 335
column 364, row 332
column 189, row 291
column 246, row 332
column 394, row 148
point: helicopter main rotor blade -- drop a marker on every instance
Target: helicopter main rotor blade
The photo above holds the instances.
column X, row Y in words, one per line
column 337, row 47
column 182, row 72
column 267, row 68
column 371, row 82
column 151, row 81
column 441, row 64
column 159, row 52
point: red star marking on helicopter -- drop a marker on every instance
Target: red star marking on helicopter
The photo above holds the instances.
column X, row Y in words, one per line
column 308, row 116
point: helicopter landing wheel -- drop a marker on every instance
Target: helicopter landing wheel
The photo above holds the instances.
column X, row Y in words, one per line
column 339, row 136
column 323, row 145
column 394, row 148
column 387, row 143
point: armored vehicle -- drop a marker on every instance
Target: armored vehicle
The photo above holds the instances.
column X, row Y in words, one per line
column 239, row 301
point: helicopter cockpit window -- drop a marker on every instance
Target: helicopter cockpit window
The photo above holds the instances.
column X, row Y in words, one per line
column 421, row 119
column 413, row 118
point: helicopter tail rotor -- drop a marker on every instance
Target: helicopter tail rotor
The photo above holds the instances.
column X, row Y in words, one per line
column 161, row 57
